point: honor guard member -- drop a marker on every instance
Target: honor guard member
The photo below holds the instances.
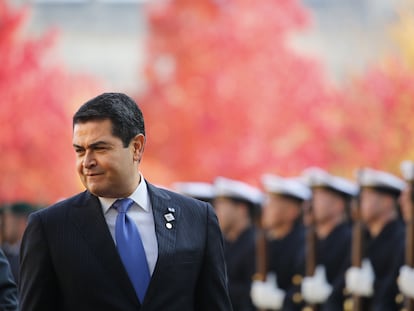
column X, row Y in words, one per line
column 202, row 191
column 282, row 221
column 9, row 298
column 376, row 279
column 329, row 212
column 236, row 204
column 406, row 277
column 14, row 223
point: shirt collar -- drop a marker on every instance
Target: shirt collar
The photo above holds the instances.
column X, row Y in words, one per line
column 139, row 196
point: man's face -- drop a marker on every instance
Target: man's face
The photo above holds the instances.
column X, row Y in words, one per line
column 105, row 167
column 10, row 228
column 406, row 204
column 372, row 206
column 227, row 213
column 325, row 204
column 278, row 211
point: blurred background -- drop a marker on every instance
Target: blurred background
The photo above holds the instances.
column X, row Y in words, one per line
column 228, row 87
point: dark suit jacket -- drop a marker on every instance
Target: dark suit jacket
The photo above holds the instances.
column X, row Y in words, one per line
column 69, row 260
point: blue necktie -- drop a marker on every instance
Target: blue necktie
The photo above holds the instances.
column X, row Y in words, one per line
column 130, row 248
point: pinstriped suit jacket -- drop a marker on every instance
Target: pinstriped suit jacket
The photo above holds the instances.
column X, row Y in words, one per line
column 69, row 260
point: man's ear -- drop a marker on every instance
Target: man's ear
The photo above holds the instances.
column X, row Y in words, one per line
column 138, row 144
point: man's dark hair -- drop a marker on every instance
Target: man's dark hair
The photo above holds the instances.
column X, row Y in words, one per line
column 125, row 115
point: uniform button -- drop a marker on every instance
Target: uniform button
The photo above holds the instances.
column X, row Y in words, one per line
column 297, row 279
column 399, row 298
column 297, row 298
column 258, row 277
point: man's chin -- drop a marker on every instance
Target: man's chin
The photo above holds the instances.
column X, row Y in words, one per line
column 96, row 189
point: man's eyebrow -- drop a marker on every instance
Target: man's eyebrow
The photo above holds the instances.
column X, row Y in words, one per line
column 93, row 145
column 99, row 143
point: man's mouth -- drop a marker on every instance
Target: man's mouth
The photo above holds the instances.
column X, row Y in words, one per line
column 92, row 174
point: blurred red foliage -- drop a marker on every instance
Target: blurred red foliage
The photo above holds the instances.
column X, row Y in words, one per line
column 37, row 96
column 378, row 109
column 228, row 96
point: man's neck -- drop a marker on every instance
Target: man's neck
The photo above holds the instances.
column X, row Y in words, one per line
column 324, row 228
column 234, row 232
column 281, row 230
column 376, row 226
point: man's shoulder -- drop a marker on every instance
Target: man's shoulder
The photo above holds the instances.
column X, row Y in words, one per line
column 60, row 207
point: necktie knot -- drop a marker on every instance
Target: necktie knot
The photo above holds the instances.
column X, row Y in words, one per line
column 122, row 205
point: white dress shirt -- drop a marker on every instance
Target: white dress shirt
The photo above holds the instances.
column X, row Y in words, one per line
column 141, row 213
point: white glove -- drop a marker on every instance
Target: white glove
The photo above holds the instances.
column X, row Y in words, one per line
column 360, row 281
column 316, row 289
column 406, row 281
column 267, row 295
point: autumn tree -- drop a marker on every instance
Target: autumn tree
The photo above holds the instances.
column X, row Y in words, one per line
column 37, row 162
column 377, row 105
column 227, row 95
column 381, row 102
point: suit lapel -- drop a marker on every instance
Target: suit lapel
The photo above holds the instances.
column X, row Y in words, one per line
column 166, row 237
column 89, row 219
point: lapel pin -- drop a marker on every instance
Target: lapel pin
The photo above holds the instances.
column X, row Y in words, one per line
column 171, row 209
column 168, row 225
column 169, row 217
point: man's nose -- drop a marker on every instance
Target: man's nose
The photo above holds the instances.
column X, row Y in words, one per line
column 89, row 160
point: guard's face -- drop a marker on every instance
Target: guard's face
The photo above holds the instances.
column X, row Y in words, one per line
column 277, row 211
column 106, row 168
column 10, row 228
column 325, row 205
column 227, row 213
column 406, row 204
column 371, row 205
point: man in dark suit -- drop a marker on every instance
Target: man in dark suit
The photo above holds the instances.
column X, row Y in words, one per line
column 73, row 254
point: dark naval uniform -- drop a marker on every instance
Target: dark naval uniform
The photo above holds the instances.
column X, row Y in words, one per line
column 386, row 253
column 240, row 261
column 333, row 253
column 12, row 255
column 284, row 257
column 8, row 288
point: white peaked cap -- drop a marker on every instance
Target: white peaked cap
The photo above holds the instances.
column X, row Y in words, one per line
column 368, row 177
column 287, row 186
column 194, row 189
column 237, row 189
column 317, row 177
column 407, row 169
